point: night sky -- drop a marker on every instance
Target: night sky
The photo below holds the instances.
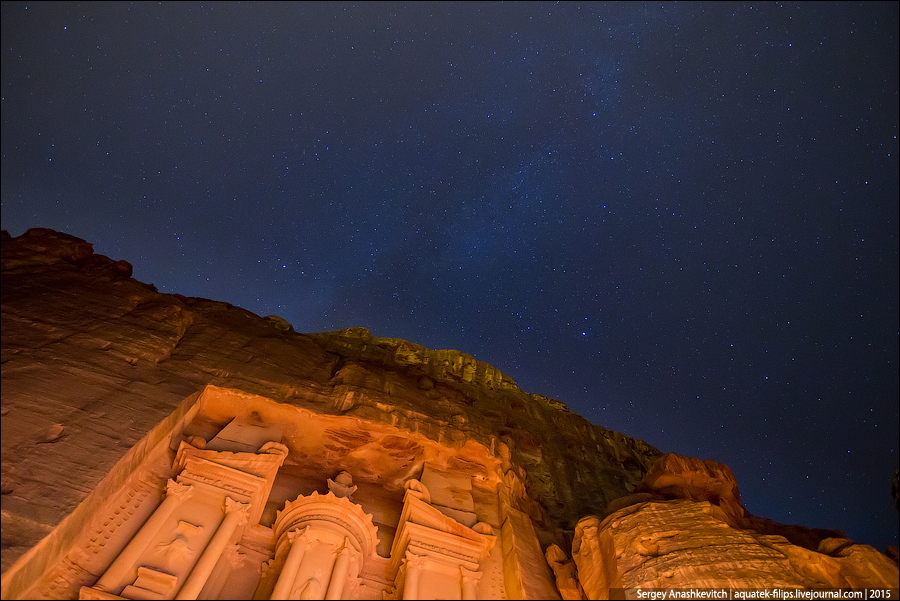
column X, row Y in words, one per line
column 681, row 220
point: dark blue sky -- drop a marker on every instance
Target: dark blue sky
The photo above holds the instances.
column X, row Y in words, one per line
column 680, row 219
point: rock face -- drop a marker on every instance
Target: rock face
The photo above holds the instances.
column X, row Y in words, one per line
column 96, row 364
column 685, row 526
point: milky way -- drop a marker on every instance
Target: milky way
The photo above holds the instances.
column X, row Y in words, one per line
column 680, row 220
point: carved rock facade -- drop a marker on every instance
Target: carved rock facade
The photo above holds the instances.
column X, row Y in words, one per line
column 217, row 502
column 158, row 447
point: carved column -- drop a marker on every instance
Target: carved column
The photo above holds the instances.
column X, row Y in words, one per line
column 340, row 571
column 176, row 493
column 414, row 566
column 217, row 580
column 236, row 514
column 299, row 542
column 469, row 582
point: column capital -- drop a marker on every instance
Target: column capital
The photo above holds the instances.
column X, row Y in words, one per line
column 301, row 535
column 241, row 509
column 179, row 491
column 346, row 548
column 469, row 582
column 415, row 562
column 265, row 566
column 414, row 566
column 469, row 575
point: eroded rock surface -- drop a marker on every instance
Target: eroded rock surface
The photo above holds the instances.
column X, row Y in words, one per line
column 682, row 543
column 687, row 528
column 93, row 359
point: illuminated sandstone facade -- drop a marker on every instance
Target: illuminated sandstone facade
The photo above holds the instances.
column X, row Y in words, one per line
column 237, row 496
column 225, row 501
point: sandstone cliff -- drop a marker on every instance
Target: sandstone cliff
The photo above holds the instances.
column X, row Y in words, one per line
column 93, row 359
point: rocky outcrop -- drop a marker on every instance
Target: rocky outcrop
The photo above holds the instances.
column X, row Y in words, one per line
column 681, row 543
column 687, row 527
column 441, row 365
column 565, row 572
column 676, row 477
column 93, row 359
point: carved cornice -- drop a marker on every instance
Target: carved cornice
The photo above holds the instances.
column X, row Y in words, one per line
column 263, row 464
column 220, row 477
column 446, row 553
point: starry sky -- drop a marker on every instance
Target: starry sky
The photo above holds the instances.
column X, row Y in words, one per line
column 679, row 219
